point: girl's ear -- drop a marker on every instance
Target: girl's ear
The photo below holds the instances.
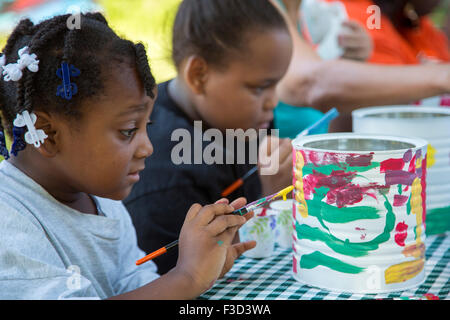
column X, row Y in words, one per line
column 196, row 74
column 46, row 122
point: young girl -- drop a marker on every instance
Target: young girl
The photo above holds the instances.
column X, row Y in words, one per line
column 76, row 104
column 230, row 55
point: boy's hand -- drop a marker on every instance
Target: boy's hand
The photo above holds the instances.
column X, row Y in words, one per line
column 275, row 164
column 205, row 240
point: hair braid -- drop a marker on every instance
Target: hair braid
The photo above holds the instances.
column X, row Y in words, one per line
column 144, row 69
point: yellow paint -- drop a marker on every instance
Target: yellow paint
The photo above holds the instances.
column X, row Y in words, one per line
column 407, row 270
column 403, row 271
column 302, row 207
column 299, row 160
column 416, row 207
column 431, row 156
column 414, row 250
column 283, row 193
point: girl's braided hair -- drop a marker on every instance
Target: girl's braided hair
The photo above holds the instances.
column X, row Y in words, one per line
column 94, row 49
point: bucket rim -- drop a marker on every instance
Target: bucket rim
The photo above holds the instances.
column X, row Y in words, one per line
column 368, row 111
column 417, row 142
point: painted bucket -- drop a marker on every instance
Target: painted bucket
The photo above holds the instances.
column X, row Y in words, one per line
column 358, row 214
column 431, row 124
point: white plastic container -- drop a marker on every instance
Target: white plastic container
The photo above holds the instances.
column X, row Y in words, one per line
column 431, row 124
column 282, row 210
column 358, row 214
column 262, row 230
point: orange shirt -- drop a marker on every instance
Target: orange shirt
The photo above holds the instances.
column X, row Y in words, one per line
column 393, row 47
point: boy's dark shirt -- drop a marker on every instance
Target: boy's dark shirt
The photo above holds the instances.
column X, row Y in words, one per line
column 159, row 202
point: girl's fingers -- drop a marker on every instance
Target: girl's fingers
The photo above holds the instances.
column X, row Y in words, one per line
column 222, row 223
column 249, row 215
column 223, row 200
column 239, row 203
column 193, row 211
column 209, row 212
column 241, row 247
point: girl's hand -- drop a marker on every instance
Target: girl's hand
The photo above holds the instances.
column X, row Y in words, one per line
column 204, row 242
column 237, row 248
column 356, row 41
column 275, row 164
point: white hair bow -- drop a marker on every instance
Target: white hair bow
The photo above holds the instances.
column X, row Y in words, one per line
column 2, row 62
column 13, row 71
column 33, row 136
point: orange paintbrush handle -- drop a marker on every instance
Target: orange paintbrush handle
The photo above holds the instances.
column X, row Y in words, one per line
column 232, row 187
column 151, row 256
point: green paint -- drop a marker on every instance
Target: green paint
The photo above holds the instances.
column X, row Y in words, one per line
column 408, row 206
column 324, row 212
column 400, row 189
column 333, row 214
column 329, row 168
column 310, row 261
column 220, row 242
column 337, row 245
column 437, row 220
column 346, row 247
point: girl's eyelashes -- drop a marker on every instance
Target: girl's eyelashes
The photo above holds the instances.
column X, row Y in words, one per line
column 130, row 132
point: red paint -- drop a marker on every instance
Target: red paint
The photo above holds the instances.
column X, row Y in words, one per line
column 294, row 265
column 355, row 160
column 363, row 234
column 342, row 191
column 392, row 164
column 399, row 177
column 401, row 233
column 401, row 226
column 294, row 208
column 325, row 158
column 263, row 212
column 412, row 165
column 399, row 200
column 407, row 156
column 431, row 296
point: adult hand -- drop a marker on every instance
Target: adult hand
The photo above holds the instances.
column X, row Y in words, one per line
column 356, row 41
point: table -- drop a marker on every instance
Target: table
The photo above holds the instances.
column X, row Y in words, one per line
column 271, row 279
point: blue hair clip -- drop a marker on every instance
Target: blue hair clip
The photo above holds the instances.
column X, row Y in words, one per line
column 68, row 89
column 19, row 143
column 3, row 149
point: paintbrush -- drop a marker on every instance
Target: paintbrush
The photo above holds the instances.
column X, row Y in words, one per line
column 248, row 208
column 326, row 118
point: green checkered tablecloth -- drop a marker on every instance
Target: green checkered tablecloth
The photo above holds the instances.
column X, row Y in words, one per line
column 271, row 279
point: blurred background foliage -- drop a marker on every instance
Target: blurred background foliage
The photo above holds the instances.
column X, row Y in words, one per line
column 150, row 22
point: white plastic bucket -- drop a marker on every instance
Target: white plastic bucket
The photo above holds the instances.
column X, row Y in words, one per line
column 431, row 124
column 358, row 224
column 262, row 230
column 282, row 210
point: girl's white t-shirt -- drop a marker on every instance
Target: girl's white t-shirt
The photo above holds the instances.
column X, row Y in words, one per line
column 51, row 251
